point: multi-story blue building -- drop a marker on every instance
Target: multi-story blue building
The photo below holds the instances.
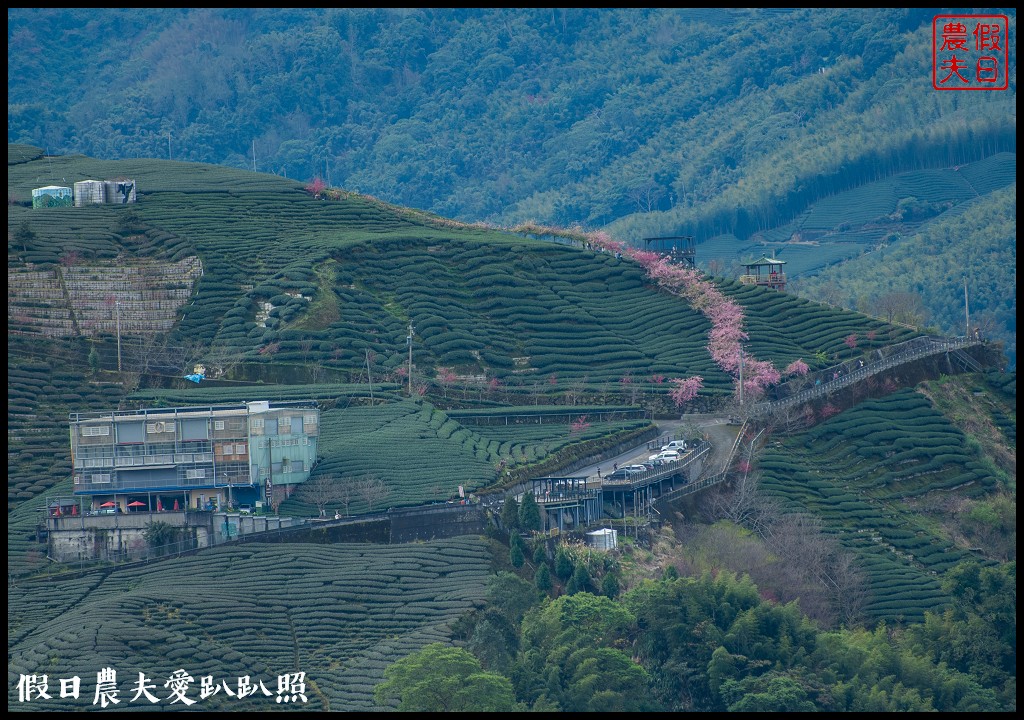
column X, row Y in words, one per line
column 203, row 458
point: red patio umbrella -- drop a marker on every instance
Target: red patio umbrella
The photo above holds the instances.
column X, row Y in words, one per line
column 108, row 503
column 74, row 509
column 136, row 504
column 175, row 504
column 159, row 505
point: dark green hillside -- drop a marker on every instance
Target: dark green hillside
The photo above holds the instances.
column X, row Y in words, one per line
column 874, row 215
column 868, row 473
column 339, row 613
column 975, row 241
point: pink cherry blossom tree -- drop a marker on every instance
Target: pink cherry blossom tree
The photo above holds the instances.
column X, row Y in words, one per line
column 316, row 186
column 685, row 389
column 797, row 367
column 579, row 425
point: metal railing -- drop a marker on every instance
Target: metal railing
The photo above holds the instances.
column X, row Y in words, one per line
column 842, row 377
column 661, row 472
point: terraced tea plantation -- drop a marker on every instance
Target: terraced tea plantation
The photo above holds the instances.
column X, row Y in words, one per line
column 42, row 388
column 339, row 613
column 301, row 282
column 422, row 455
column 860, row 471
column 782, row 326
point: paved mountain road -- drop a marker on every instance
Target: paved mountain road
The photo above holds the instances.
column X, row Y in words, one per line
column 719, row 433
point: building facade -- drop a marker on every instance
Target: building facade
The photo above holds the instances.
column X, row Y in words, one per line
column 199, row 458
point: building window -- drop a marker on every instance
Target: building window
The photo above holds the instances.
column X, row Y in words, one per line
column 195, row 474
column 257, row 423
column 160, row 427
column 229, row 450
column 218, row 424
column 100, row 478
column 95, row 430
column 285, row 423
column 309, row 420
column 240, row 449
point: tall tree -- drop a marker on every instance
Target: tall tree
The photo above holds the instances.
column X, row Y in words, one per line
column 529, row 513
column 444, row 679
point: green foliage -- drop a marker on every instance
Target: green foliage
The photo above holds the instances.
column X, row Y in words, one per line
column 580, row 580
column 444, row 679
column 529, row 513
column 511, row 595
column 542, row 579
column 510, row 514
column 160, row 535
column 892, row 451
column 540, row 554
column 563, row 564
column 516, row 556
column 977, row 239
column 610, row 586
column 772, row 692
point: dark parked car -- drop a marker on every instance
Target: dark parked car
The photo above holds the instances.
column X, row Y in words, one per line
column 624, row 473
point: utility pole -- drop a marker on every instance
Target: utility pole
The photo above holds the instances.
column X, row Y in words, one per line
column 967, row 311
column 409, row 340
column 117, row 307
column 369, row 379
column 254, row 154
column 168, row 145
column 741, row 376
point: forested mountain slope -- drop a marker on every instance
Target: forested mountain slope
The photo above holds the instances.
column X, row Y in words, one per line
column 670, row 121
column 809, row 133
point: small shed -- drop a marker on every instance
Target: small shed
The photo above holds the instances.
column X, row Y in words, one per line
column 51, row 196
column 603, row 539
column 90, row 192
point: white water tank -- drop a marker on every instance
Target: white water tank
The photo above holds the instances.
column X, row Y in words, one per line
column 603, row 539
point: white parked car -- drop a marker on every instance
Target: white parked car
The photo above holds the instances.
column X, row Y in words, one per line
column 665, row 456
column 678, row 445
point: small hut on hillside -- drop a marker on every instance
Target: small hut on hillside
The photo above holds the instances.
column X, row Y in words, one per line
column 766, row 272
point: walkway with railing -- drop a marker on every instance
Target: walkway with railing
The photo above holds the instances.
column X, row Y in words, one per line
column 896, row 355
